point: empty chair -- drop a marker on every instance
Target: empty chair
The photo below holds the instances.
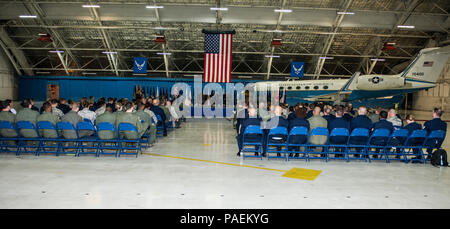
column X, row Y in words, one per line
column 312, row 147
column 26, row 143
column 128, row 143
column 337, row 143
column 414, row 146
column 252, row 141
column 276, row 142
column 296, row 142
column 377, row 144
column 87, row 134
column 107, row 138
column 357, row 144
column 395, row 144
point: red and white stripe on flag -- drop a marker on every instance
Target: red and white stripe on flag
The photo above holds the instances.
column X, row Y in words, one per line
column 217, row 63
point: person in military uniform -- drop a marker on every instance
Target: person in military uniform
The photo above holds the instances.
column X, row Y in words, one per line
column 27, row 114
column 47, row 115
column 317, row 121
column 129, row 117
column 6, row 115
column 73, row 117
column 55, row 110
column 110, row 117
column 147, row 124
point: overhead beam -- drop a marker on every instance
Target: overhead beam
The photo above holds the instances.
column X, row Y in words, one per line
column 330, row 38
column 17, row 57
column 164, row 46
column 272, row 48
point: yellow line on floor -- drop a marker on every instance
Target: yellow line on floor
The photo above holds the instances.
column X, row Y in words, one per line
column 215, row 162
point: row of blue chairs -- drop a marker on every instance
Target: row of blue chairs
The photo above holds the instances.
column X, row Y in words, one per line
column 380, row 144
column 92, row 144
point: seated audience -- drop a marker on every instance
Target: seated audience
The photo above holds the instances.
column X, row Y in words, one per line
column 27, row 114
column 48, row 115
column 252, row 119
column 86, row 113
column 7, row 115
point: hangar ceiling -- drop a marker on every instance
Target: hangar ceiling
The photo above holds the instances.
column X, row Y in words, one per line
column 314, row 29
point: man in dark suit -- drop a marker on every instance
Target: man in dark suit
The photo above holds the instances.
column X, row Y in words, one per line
column 360, row 121
column 158, row 111
column 253, row 119
column 63, row 106
column 435, row 124
column 382, row 124
column 299, row 120
column 277, row 121
column 339, row 122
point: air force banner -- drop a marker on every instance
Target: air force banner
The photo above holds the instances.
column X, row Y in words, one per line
column 140, row 64
column 297, row 69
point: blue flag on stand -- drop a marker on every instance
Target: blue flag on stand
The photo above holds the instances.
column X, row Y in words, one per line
column 140, row 65
column 297, row 69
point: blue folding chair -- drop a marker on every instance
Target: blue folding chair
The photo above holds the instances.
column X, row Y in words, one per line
column 358, row 142
column 377, row 145
column 91, row 141
column 68, row 126
column 434, row 141
column 123, row 139
column 337, row 143
column 46, row 142
column 5, row 141
column 159, row 127
column 26, row 143
column 297, row 139
column 103, row 142
column 276, row 142
column 414, row 145
column 318, row 131
column 396, row 142
column 252, row 141
column 145, row 137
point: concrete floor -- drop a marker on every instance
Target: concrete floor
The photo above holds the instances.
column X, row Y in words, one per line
column 163, row 182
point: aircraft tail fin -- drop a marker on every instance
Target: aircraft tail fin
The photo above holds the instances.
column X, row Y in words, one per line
column 428, row 65
column 351, row 82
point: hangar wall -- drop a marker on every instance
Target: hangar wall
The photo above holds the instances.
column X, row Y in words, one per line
column 8, row 81
column 438, row 96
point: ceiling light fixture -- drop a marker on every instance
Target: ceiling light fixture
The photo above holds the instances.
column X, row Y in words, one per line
column 28, row 16
column 406, row 26
column 283, row 10
column 91, row 6
column 154, row 7
column 348, row 13
column 217, row 8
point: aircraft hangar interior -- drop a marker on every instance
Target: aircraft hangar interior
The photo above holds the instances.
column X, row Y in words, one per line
column 224, row 104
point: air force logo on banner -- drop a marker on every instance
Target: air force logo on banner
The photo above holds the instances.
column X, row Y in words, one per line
column 297, row 69
column 140, row 64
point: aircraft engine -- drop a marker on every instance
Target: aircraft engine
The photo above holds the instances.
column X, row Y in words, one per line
column 374, row 82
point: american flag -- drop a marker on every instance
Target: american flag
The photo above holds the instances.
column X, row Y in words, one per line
column 217, row 65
